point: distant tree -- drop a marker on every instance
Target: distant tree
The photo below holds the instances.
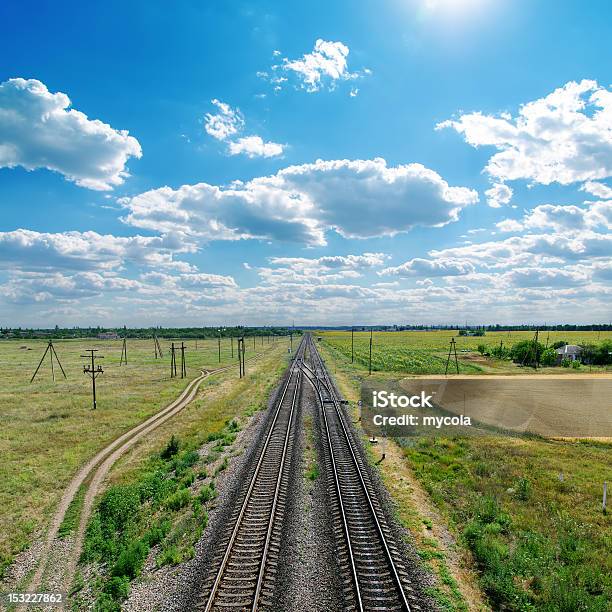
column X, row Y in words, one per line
column 527, row 351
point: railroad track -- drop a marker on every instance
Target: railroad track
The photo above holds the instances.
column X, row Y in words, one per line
column 375, row 574
column 245, row 566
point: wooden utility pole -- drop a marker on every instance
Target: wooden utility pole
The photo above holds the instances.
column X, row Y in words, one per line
column 51, row 350
column 452, row 348
column 123, row 353
column 370, row 366
column 241, row 351
column 183, row 362
column 93, row 370
column 157, row 345
column 172, row 361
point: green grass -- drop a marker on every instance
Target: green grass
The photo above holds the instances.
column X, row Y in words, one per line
column 540, row 544
column 420, row 352
column 160, row 498
column 48, row 430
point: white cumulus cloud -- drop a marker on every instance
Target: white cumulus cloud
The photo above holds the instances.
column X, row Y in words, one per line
column 38, row 129
column 356, row 198
column 323, row 67
column 228, row 123
column 498, row 195
column 563, row 138
column 254, row 146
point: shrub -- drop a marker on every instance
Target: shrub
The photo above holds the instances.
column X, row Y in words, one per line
column 206, row 494
column 169, row 556
column 118, row 587
column 523, row 489
column 549, row 357
column 178, row 500
column 566, row 363
column 171, row 448
column 131, row 559
column 527, row 351
column 576, row 364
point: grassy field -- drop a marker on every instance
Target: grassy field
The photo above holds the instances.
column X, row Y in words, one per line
column 160, row 494
column 425, row 352
column 539, row 540
column 47, row 429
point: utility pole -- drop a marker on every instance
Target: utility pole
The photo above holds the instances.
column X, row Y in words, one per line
column 93, row 370
column 183, row 362
column 243, row 360
column 51, row 350
column 370, row 367
column 241, row 367
column 352, row 344
column 123, row 353
column 158, row 351
column 451, row 348
column 172, row 361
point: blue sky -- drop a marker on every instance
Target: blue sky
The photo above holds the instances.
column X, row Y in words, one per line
column 426, row 161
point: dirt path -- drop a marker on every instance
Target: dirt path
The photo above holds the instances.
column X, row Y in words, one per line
column 96, row 470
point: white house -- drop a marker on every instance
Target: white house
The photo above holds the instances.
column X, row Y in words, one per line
column 569, row 351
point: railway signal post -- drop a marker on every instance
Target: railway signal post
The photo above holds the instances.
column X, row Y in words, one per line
column 93, row 370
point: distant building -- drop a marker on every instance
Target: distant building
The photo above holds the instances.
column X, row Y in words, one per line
column 569, row 351
column 108, row 336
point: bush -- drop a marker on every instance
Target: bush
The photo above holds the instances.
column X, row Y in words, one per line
column 178, row 500
column 549, row 357
column 483, row 348
column 527, row 351
column 171, row 448
column 118, row 587
column 206, row 494
column 566, row 363
column 131, row 559
column 523, row 489
column 576, row 364
column 169, row 556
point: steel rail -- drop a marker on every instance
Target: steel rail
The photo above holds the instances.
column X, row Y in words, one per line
column 339, row 493
column 350, row 443
column 228, row 551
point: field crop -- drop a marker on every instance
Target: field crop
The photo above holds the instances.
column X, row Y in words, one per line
column 48, row 430
column 426, row 352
